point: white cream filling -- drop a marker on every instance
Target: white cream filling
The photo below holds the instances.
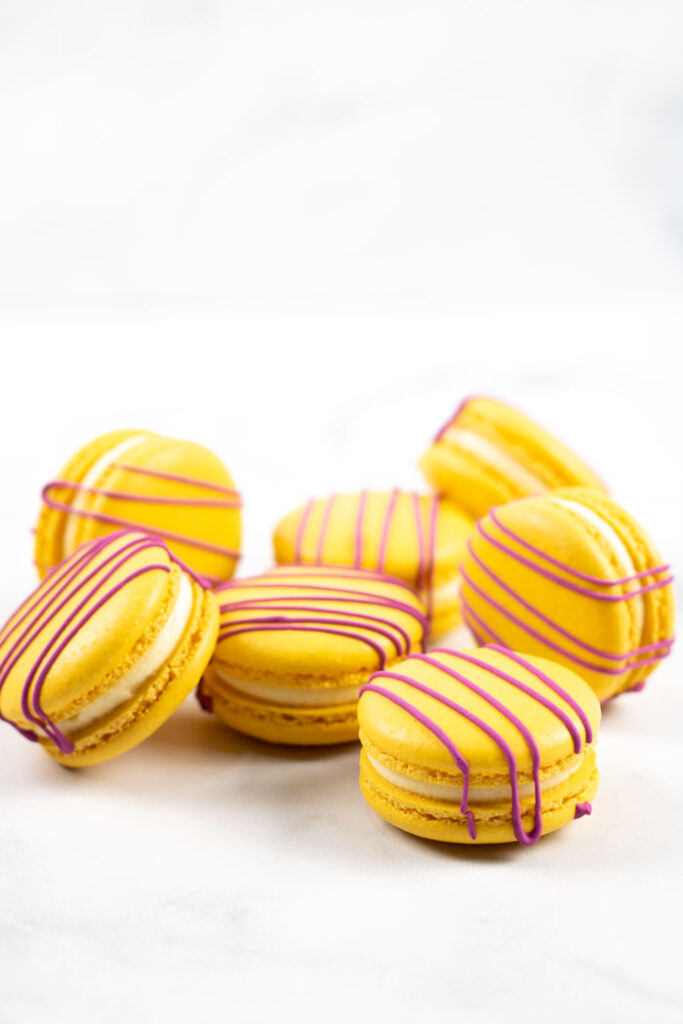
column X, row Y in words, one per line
column 147, row 664
column 90, row 479
column 292, row 695
column 616, row 544
column 476, row 795
column 446, row 593
column 498, row 459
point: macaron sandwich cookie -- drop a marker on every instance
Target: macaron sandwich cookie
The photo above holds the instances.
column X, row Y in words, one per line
column 296, row 644
column 488, row 453
column 573, row 577
column 416, row 537
column 106, row 648
column 483, row 746
column 134, row 479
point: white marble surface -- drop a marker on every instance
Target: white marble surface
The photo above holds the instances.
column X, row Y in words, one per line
column 300, row 234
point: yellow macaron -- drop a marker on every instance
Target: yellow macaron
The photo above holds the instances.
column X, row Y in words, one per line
column 483, row 746
column 418, row 538
column 488, row 453
column 296, row 643
column 573, row 577
column 105, row 649
column 134, row 479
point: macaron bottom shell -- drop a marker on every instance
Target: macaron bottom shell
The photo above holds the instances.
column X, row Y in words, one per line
column 441, row 820
column 278, row 723
column 156, row 700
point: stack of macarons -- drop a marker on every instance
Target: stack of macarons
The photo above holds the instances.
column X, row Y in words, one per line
column 554, row 599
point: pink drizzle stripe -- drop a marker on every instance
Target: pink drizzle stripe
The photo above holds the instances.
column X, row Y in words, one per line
column 419, row 531
column 431, row 556
column 202, row 485
column 431, row 725
column 288, row 626
column 296, row 572
column 324, row 527
column 511, row 617
column 303, row 523
column 294, row 616
column 139, row 499
column 555, row 625
column 451, row 420
column 360, row 522
column 426, row 537
column 266, row 603
column 131, row 524
column 542, row 677
column 40, row 612
column 386, row 529
column 523, row 837
column 597, row 595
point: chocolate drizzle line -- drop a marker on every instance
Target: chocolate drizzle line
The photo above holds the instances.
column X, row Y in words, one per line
column 522, row 836
column 307, row 612
column 230, row 500
column 638, row 657
column 63, row 584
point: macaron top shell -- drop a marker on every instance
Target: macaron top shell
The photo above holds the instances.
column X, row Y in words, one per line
column 494, row 702
column 305, row 621
column 489, row 453
column 177, row 490
column 86, row 623
column 573, row 576
column 416, row 537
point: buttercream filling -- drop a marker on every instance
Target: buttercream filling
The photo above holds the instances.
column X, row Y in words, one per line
column 476, row 795
column 90, row 479
column 615, row 542
column 291, row 695
column 498, row 459
column 147, row 665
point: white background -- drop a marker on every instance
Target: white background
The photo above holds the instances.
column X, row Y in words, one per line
column 299, row 233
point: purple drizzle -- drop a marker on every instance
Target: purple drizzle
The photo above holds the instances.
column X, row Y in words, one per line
column 230, row 499
column 636, row 658
column 426, row 539
column 522, row 836
column 307, row 612
column 60, row 588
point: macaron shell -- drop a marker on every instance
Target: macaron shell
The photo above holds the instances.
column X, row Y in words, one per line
column 49, row 533
column 464, row 479
column 289, row 654
column 211, row 532
column 306, row 628
column 124, row 625
column 129, row 725
column 395, row 731
column 280, row 723
column 475, row 483
column 329, row 534
column 658, row 620
column 442, row 820
column 446, row 615
column 495, row 586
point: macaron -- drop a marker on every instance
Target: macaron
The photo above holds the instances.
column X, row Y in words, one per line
column 295, row 645
column 105, row 649
column 418, row 538
column 134, row 479
column 482, row 746
column 488, row 453
column 573, row 577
